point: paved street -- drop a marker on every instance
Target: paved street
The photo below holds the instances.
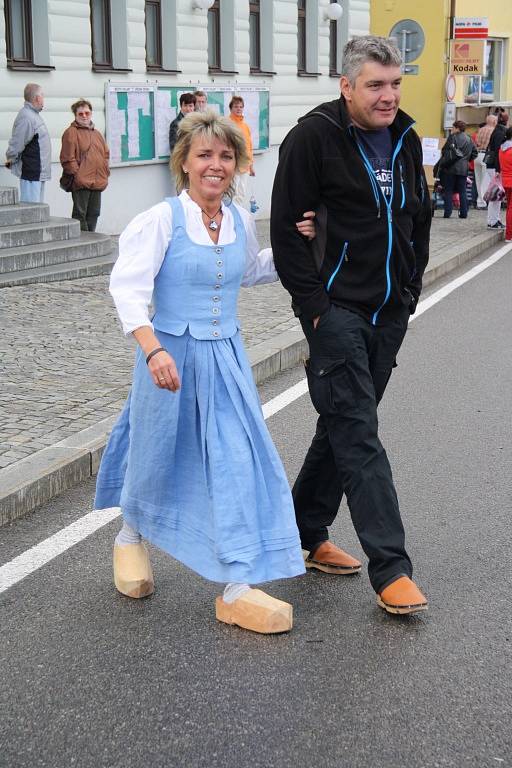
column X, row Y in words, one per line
column 65, row 365
column 93, row 679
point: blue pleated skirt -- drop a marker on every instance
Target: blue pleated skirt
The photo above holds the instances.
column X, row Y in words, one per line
column 196, row 471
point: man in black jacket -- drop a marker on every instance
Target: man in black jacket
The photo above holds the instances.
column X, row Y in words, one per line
column 357, row 162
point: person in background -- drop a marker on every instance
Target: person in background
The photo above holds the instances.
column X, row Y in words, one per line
column 201, row 101
column 29, row 152
column 236, row 114
column 471, row 172
column 493, row 167
column 454, row 176
column 84, row 154
column 187, row 105
column 505, row 162
column 481, row 142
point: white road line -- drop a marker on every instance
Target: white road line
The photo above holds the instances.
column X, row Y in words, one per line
column 285, row 398
column 47, row 550
column 33, row 559
column 454, row 284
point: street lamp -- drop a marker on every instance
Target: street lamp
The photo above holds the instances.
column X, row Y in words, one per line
column 333, row 12
column 202, row 5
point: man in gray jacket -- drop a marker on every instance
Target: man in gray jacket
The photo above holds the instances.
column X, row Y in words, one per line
column 29, row 151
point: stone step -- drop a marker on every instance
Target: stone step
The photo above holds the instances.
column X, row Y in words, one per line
column 98, row 265
column 28, row 257
column 8, row 195
column 34, row 234
column 23, row 213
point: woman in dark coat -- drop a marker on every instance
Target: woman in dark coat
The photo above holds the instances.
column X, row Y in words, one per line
column 453, row 173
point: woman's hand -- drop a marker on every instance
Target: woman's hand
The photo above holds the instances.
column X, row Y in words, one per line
column 164, row 372
column 307, row 227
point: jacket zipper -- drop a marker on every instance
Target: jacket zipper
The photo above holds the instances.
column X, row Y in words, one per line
column 388, row 204
column 340, row 263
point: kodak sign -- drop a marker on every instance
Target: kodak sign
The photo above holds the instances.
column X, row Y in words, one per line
column 467, row 57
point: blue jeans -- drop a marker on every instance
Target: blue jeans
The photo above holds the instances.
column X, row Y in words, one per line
column 454, row 183
column 31, row 191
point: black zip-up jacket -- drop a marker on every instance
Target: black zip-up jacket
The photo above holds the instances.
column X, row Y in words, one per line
column 367, row 257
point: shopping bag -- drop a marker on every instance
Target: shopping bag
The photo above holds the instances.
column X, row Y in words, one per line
column 494, row 191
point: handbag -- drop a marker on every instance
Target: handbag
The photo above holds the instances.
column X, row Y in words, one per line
column 66, row 181
column 490, row 158
column 450, row 154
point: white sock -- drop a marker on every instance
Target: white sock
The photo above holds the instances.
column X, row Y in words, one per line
column 233, row 591
column 127, row 535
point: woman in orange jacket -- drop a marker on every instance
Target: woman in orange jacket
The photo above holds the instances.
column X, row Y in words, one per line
column 236, row 114
column 84, row 155
column 505, row 160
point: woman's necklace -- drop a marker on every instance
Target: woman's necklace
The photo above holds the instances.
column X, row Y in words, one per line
column 213, row 224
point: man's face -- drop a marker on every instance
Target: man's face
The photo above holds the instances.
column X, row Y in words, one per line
column 200, row 103
column 186, row 108
column 373, row 101
column 39, row 100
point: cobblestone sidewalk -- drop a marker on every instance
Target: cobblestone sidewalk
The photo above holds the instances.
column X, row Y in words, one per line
column 65, row 364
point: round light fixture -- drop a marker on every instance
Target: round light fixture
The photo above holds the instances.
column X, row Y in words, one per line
column 202, row 5
column 333, row 12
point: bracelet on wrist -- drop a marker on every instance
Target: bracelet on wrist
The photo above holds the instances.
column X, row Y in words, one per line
column 154, row 352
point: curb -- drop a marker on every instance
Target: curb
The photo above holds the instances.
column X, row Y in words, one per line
column 38, row 478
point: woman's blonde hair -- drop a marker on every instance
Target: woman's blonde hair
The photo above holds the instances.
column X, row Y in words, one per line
column 210, row 125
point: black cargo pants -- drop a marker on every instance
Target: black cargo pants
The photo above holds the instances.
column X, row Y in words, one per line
column 349, row 367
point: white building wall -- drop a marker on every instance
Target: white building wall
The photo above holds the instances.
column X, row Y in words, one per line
column 134, row 188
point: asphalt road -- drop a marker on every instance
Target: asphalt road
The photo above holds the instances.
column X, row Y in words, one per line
column 89, row 678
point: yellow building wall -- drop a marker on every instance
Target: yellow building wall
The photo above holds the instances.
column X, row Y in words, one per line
column 423, row 95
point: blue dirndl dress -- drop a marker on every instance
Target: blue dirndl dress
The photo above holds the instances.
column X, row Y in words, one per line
column 196, row 471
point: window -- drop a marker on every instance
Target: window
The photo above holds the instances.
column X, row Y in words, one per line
column 254, row 37
column 18, row 32
column 301, row 36
column 307, row 38
column 214, row 61
column 221, row 37
column 101, row 34
column 109, row 52
column 26, row 34
column 153, row 34
column 486, row 88
column 333, row 47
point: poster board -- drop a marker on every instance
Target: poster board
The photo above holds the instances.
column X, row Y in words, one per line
column 138, row 116
column 129, row 116
column 431, row 153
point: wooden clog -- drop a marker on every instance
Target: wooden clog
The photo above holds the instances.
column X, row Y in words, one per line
column 133, row 575
column 257, row 611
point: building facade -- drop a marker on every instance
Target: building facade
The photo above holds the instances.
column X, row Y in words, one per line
column 129, row 56
column 426, row 29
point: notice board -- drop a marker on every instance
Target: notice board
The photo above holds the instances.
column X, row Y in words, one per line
column 138, row 117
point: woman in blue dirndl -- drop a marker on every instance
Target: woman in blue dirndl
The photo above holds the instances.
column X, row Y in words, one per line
column 190, row 460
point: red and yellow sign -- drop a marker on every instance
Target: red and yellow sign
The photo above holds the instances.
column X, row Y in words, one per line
column 467, row 57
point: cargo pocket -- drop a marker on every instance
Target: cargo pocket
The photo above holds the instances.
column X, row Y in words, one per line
column 329, row 386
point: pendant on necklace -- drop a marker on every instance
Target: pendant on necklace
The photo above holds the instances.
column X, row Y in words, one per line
column 213, row 225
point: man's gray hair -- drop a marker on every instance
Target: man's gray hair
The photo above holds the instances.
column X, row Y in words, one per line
column 30, row 92
column 360, row 50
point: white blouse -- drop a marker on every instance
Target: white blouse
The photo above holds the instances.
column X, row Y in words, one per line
column 142, row 248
